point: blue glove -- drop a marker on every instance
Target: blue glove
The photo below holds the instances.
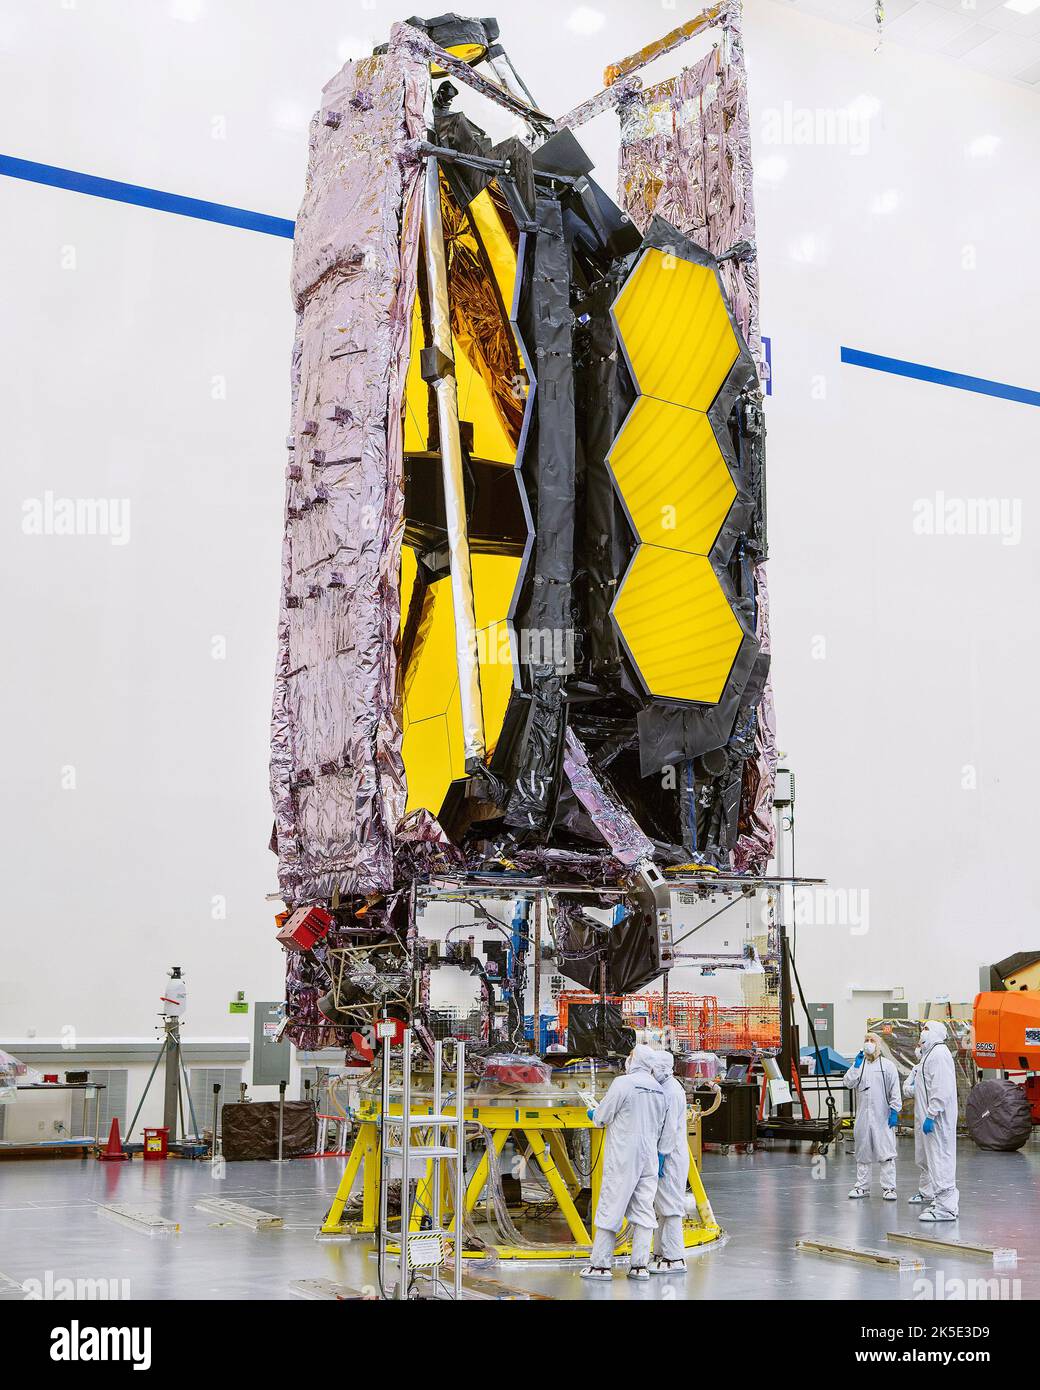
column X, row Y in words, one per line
column 928, row 1125
column 893, row 1118
column 859, row 1060
column 660, row 1164
column 591, row 1114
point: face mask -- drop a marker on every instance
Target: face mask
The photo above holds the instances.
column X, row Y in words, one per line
column 870, row 1049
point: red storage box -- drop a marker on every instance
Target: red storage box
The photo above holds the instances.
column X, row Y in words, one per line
column 156, row 1143
column 304, row 927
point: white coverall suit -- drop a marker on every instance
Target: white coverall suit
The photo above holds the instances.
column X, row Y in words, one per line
column 936, row 1085
column 924, row 1182
column 876, row 1083
column 633, row 1113
column 670, row 1202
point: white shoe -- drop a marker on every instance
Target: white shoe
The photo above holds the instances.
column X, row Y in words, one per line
column 858, row 1192
column 639, row 1272
column 593, row 1272
column 658, row 1266
column 917, row 1199
column 932, row 1215
column 890, row 1195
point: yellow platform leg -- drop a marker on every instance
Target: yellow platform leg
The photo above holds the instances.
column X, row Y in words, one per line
column 366, row 1145
column 700, row 1196
column 704, row 1229
column 480, row 1176
column 562, row 1159
column 558, row 1187
column 543, row 1129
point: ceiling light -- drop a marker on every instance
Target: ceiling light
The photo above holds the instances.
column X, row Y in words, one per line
column 982, row 147
column 865, row 107
column 771, row 169
column 585, row 21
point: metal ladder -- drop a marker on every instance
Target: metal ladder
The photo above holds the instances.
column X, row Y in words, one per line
column 434, row 1152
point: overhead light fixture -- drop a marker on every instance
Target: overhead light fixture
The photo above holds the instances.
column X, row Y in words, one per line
column 805, row 249
column 983, row 146
column 1022, row 6
column 885, row 202
column 772, row 169
column 865, row 106
column 585, row 20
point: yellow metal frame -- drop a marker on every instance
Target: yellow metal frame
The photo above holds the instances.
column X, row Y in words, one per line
column 541, row 1128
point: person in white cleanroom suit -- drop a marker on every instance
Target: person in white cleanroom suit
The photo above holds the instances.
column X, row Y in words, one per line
column 924, row 1193
column 936, row 1086
column 633, row 1114
column 673, row 1171
column 876, row 1083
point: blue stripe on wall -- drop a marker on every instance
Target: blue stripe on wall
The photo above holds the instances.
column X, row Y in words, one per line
column 74, row 182
column 56, row 177
column 855, row 358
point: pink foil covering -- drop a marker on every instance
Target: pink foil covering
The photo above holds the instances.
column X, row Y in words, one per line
column 686, row 156
column 617, row 825
column 757, row 838
column 337, row 778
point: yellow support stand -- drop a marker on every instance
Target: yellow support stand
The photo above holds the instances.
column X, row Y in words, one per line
column 541, row 1127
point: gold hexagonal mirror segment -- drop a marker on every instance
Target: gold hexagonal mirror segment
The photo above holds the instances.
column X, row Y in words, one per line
column 677, row 624
column 432, row 746
column 676, row 330
column 674, row 480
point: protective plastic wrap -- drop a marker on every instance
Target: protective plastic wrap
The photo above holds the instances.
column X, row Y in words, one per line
column 251, row 1131
column 899, row 1039
column 515, row 1071
column 548, row 468
column 627, row 842
column 337, row 778
column 998, row 1115
column 595, row 1030
column 757, row 838
column 12, row 1073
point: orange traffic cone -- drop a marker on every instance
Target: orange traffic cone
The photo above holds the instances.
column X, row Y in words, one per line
column 113, row 1150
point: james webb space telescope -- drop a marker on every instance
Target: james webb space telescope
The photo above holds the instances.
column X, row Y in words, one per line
column 522, row 639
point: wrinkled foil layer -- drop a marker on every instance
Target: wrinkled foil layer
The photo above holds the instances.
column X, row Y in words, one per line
column 757, row 839
column 686, row 156
column 614, row 822
column 337, row 777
